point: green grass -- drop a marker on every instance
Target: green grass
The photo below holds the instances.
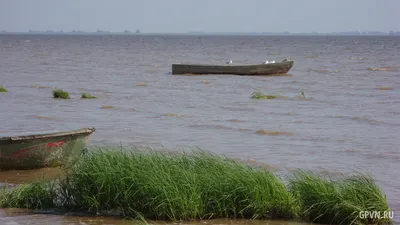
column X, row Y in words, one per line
column 260, row 95
column 87, row 96
column 60, row 94
column 339, row 201
column 3, row 89
column 176, row 186
column 37, row 195
column 195, row 185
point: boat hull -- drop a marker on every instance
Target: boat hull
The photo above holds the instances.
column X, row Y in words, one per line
column 245, row 70
column 43, row 150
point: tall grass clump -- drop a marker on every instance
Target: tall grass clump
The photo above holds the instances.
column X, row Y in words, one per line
column 260, row 95
column 3, row 89
column 87, row 96
column 176, row 186
column 37, row 195
column 60, row 94
column 337, row 201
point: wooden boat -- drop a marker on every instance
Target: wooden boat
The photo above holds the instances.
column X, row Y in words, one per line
column 42, row 150
column 247, row 70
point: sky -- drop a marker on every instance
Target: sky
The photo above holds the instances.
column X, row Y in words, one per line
column 181, row 16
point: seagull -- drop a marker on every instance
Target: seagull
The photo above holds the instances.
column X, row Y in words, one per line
column 272, row 61
column 286, row 59
column 230, row 62
column 266, row 62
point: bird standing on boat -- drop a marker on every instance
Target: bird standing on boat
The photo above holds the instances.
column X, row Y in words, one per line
column 230, row 62
column 272, row 61
column 266, row 62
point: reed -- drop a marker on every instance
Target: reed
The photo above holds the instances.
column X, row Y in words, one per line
column 3, row 89
column 87, row 96
column 176, row 186
column 337, row 200
column 195, row 185
column 60, row 94
column 260, row 95
column 37, row 195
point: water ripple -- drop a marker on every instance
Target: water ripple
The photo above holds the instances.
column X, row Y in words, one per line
column 351, row 119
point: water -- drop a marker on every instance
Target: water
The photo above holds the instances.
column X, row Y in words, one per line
column 7, row 217
column 350, row 123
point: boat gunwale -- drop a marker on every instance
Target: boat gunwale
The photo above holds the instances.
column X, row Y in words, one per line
column 285, row 63
column 4, row 140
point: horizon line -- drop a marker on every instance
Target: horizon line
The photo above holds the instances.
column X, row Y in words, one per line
column 137, row 32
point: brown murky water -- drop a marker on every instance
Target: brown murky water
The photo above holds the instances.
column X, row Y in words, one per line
column 9, row 217
column 26, row 176
column 348, row 121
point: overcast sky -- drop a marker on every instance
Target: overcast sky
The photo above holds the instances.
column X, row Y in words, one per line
column 170, row 16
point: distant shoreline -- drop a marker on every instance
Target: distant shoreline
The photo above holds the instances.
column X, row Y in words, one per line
column 195, row 34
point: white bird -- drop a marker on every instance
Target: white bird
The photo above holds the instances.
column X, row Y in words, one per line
column 272, row 61
column 230, row 62
column 266, row 62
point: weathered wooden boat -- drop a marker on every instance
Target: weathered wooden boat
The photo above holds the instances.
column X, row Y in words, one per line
column 245, row 70
column 42, row 150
